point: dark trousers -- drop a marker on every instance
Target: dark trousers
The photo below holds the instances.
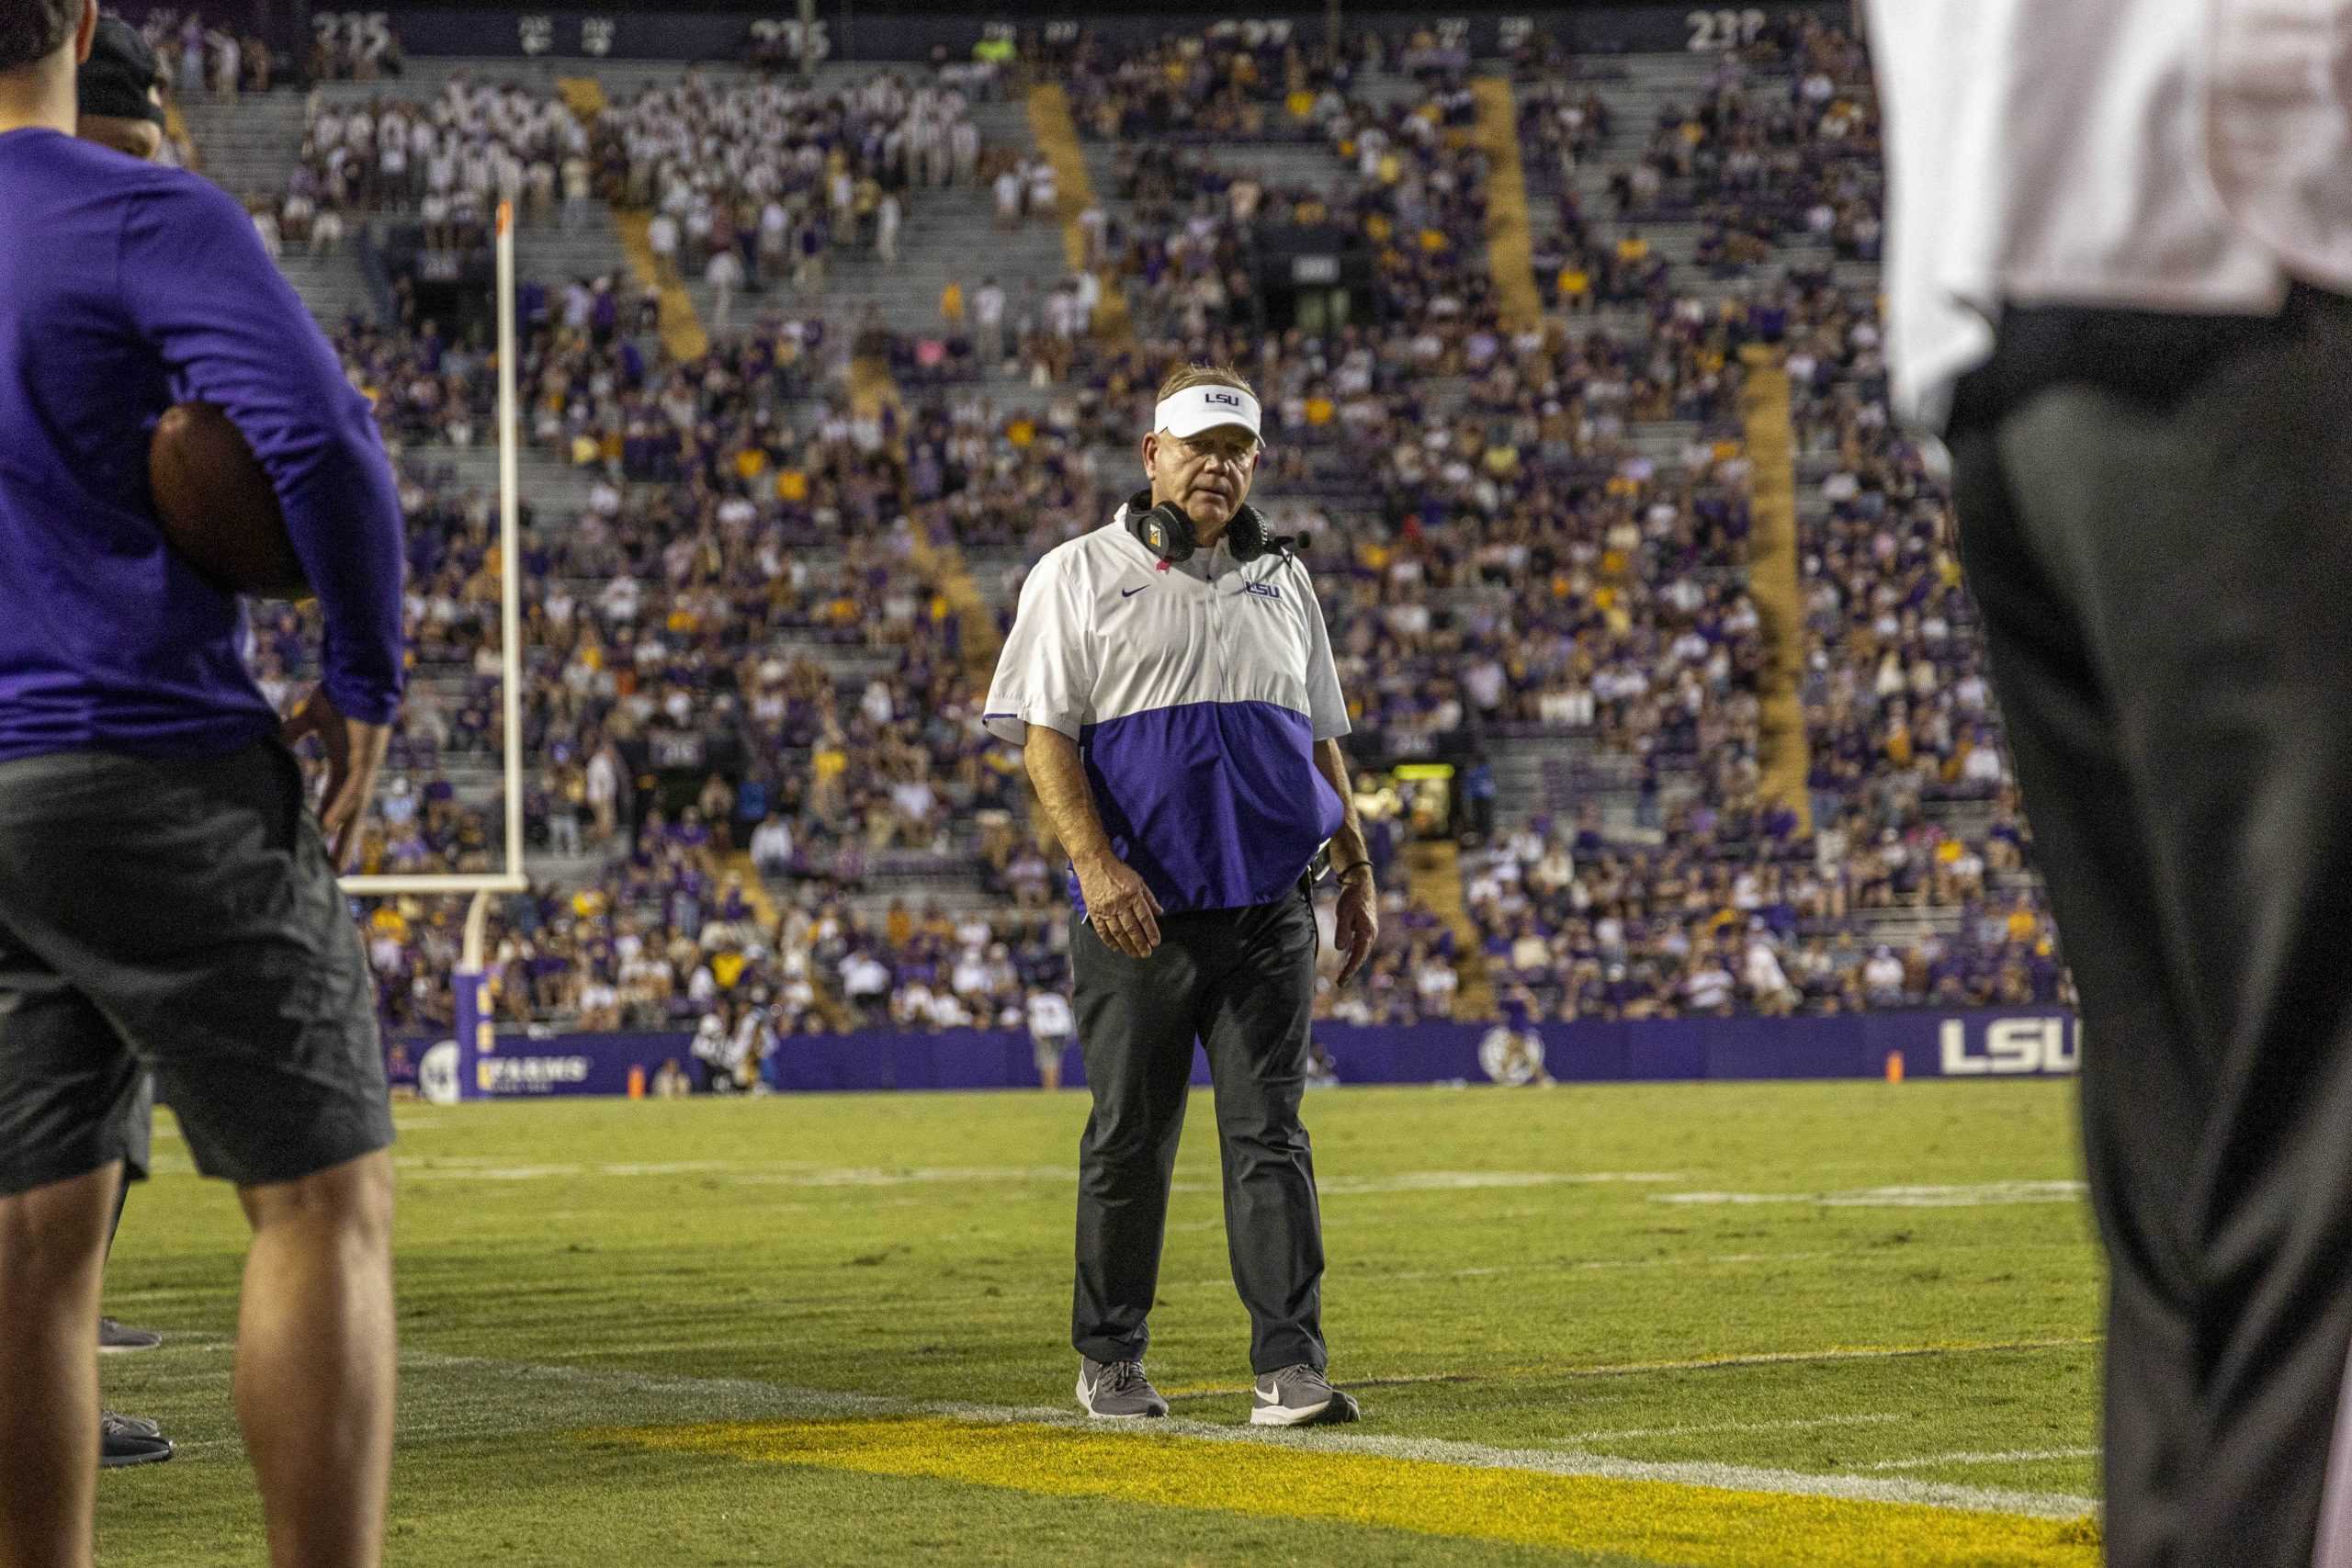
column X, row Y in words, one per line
column 1241, row 981
column 2156, row 519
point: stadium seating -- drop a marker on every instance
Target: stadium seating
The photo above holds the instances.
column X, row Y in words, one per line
column 1532, row 541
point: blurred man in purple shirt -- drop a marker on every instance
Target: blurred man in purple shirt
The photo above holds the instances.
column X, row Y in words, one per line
column 168, row 903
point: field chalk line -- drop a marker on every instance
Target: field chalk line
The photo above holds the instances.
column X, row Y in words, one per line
column 1877, row 1485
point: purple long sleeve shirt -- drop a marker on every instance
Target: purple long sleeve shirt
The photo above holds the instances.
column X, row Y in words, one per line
column 124, row 288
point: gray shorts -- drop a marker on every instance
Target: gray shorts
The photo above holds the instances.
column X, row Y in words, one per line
column 178, row 918
column 1049, row 1049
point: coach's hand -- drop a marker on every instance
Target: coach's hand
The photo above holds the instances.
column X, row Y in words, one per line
column 355, row 754
column 1125, row 914
column 1355, row 925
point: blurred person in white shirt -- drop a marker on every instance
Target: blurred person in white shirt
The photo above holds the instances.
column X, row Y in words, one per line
column 1052, row 1028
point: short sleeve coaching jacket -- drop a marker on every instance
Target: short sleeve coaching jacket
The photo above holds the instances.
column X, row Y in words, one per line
column 1196, row 705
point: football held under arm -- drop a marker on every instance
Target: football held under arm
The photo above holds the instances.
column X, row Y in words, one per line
column 232, row 333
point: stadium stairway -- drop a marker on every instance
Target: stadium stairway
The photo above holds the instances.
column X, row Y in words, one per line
column 681, row 331
column 1772, row 578
column 1511, row 245
column 332, row 286
column 547, row 252
column 1556, row 775
column 1653, row 83
column 1056, row 136
column 249, row 144
column 755, row 889
column 553, row 489
column 966, row 601
column 1436, row 866
column 615, row 242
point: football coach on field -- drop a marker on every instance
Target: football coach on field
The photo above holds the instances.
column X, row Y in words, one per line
column 1170, row 678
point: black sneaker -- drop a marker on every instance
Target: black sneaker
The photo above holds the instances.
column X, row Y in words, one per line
column 114, row 1337
column 125, row 1440
column 1118, row 1391
column 1300, row 1396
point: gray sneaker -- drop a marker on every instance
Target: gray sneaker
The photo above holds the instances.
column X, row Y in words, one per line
column 1300, row 1396
column 1118, row 1391
column 115, row 1336
column 126, row 1440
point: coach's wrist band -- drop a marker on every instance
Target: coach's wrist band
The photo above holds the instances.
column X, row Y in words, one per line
column 1351, row 868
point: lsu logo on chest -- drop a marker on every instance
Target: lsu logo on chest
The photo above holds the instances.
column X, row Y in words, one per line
column 1263, row 590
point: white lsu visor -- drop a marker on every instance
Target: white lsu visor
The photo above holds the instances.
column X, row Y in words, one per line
column 1195, row 408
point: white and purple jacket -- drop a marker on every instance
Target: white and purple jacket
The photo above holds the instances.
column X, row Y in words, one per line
column 1196, row 693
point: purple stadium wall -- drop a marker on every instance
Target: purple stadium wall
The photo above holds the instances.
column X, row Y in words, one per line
column 1932, row 1044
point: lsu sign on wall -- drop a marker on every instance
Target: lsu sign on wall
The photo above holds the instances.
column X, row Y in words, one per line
column 2004, row 1045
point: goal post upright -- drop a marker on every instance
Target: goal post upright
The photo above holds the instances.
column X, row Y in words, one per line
column 473, row 1021
column 510, row 558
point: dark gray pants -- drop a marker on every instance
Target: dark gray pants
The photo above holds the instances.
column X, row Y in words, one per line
column 1241, row 981
column 2155, row 517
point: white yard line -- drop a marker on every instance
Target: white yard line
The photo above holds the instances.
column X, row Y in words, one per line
column 736, row 1399
column 1708, row 1429
column 1974, row 1195
column 1857, row 1353
column 786, row 1173
column 2011, row 1456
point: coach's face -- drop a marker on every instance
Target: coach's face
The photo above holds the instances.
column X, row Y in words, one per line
column 1208, row 474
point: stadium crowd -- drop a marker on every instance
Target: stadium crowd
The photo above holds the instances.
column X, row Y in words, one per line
column 752, row 586
column 448, row 161
column 199, row 56
column 759, row 179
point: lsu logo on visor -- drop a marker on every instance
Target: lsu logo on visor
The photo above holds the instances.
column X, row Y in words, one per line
column 1223, row 399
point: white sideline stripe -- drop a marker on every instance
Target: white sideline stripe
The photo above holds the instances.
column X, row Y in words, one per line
column 2011, row 1456
column 1578, row 1266
column 766, row 1173
column 1466, row 1180
column 781, row 1401
column 1783, row 1358
column 1704, row 1428
column 1969, row 1196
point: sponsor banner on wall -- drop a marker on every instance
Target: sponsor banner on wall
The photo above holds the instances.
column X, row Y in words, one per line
column 1975, row 1044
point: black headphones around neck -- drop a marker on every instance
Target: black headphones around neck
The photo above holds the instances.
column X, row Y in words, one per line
column 1166, row 531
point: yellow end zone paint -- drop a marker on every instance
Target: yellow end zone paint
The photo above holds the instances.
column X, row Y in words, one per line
column 1691, row 1526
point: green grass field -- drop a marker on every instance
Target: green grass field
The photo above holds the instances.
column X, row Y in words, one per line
column 1720, row 1324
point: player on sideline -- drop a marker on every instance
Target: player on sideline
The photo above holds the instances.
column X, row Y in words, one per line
column 167, row 902
column 117, row 105
column 1170, row 677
